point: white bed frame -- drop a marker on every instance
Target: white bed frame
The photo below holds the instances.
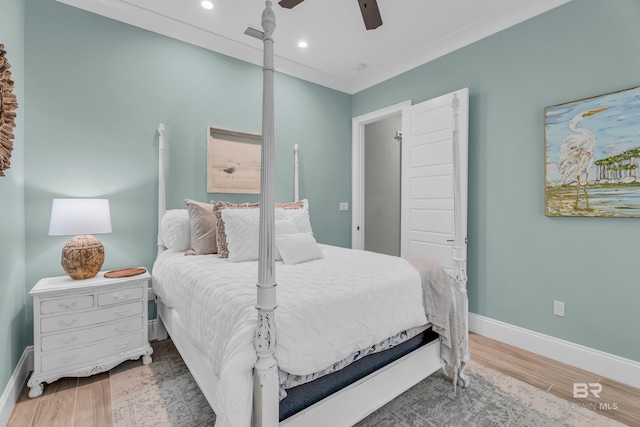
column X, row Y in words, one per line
column 343, row 408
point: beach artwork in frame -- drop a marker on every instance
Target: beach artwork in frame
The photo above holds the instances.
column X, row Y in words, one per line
column 592, row 156
column 233, row 161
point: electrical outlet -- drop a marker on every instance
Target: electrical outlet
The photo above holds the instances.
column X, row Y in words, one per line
column 558, row 308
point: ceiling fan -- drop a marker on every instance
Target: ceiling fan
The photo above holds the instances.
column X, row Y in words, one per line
column 368, row 8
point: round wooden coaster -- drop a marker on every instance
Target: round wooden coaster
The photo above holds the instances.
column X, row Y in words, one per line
column 125, row 272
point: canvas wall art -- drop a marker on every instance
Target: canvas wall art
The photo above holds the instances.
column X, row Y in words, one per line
column 592, row 156
column 233, row 161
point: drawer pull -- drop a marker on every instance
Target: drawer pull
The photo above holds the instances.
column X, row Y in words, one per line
column 122, row 312
column 121, row 295
column 67, row 323
column 67, row 360
column 68, row 340
column 67, row 305
column 123, row 328
column 122, row 346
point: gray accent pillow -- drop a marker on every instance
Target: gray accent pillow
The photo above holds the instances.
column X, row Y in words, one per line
column 202, row 224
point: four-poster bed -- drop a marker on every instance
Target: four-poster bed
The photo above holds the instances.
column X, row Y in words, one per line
column 331, row 310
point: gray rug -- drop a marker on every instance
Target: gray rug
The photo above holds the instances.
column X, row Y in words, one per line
column 165, row 394
column 162, row 393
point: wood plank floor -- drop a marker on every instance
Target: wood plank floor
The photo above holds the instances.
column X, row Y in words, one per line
column 86, row 402
column 618, row 401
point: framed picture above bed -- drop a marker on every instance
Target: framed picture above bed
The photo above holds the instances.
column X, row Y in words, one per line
column 592, row 156
column 233, row 161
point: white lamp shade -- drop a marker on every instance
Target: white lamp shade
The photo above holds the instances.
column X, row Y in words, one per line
column 70, row 217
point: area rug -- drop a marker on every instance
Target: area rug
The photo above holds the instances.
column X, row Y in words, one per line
column 165, row 394
column 161, row 394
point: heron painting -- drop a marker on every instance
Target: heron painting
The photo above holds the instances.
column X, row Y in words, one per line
column 233, row 161
column 592, row 156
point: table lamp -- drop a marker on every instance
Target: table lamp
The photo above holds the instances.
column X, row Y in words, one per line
column 83, row 255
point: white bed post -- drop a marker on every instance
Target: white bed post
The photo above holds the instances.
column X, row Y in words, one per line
column 296, row 172
column 161, row 185
column 265, row 381
column 460, row 242
column 160, row 330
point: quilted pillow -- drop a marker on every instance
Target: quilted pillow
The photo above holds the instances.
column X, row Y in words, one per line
column 174, row 227
column 242, row 233
column 221, row 234
column 241, row 227
column 298, row 248
column 202, row 225
column 299, row 216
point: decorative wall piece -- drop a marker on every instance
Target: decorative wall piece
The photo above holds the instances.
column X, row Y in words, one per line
column 233, row 161
column 592, row 156
column 8, row 106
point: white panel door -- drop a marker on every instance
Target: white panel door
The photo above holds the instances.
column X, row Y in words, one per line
column 434, row 179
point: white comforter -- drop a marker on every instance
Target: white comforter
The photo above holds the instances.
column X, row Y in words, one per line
column 327, row 309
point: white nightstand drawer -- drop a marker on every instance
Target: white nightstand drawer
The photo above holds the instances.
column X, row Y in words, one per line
column 109, row 330
column 61, row 323
column 83, row 355
column 61, row 305
column 120, row 295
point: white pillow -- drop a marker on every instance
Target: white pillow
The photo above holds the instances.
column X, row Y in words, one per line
column 300, row 217
column 284, row 226
column 298, row 248
column 176, row 234
column 242, row 230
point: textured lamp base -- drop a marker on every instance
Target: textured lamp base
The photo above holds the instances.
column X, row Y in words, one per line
column 82, row 257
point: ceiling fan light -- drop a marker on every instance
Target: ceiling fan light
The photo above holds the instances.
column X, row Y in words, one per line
column 206, row 4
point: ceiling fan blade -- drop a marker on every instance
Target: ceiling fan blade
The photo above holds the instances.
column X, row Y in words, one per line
column 288, row 4
column 370, row 14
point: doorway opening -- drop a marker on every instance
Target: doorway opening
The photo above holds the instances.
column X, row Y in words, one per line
column 382, row 160
column 360, row 230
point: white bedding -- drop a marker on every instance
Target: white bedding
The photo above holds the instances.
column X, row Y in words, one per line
column 327, row 309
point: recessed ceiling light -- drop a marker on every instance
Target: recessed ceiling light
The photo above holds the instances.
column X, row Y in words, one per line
column 207, row 4
column 302, row 44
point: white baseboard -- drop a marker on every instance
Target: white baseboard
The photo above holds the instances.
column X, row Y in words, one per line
column 14, row 386
column 153, row 329
column 608, row 365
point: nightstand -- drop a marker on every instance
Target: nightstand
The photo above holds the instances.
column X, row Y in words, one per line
column 84, row 327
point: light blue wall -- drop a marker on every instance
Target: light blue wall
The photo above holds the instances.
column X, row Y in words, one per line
column 12, row 242
column 520, row 260
column 99, row 88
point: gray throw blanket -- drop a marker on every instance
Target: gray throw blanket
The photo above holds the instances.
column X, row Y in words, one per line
column 445, row 307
